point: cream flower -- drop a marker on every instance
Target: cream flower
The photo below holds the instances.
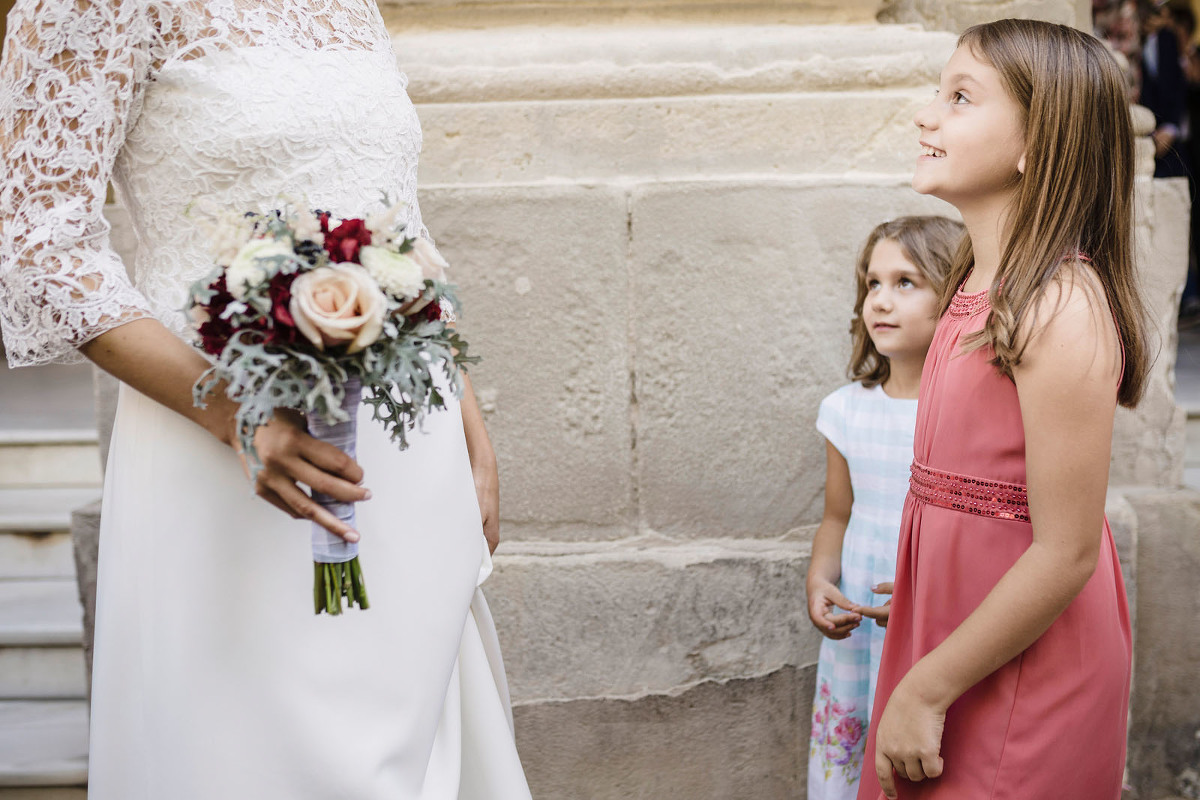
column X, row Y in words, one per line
column 398, row 275
column 247, row 270
column 227, row 235
column 432, row 264
column 336, row 305
column 385, row 226
column 306, row 226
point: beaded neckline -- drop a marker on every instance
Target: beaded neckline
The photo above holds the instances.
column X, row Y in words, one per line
column 967, row 305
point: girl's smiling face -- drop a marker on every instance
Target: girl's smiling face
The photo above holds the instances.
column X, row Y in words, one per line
column 972, row 136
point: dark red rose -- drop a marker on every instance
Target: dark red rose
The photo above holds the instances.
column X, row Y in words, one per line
column 433, row 311
column 343, row 242
column 323, row 218
column 279, row 290
column 216, row 331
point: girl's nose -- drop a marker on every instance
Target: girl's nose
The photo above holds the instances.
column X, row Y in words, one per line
column 926, row 118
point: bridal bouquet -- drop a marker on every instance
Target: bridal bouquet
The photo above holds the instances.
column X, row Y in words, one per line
column 309, row 312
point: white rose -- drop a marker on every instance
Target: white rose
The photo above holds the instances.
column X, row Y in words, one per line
column 246, row 269
column 432, row 264
column 336, row 305
column 398, row 275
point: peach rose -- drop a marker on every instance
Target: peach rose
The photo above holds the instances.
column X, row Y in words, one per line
column 336, row 305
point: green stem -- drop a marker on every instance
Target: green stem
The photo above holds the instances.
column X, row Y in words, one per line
column 356, row 568
column 318, row 594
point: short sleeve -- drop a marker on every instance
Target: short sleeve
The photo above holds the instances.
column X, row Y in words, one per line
column 69, row 82
column 831, row 419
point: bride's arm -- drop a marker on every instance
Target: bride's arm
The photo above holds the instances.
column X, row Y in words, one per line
column 483, row 464
column 158, row 364
column 71, row 73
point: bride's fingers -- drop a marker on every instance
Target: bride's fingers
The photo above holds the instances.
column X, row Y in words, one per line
column 308, row 508
column 321, row 480
column 330, row 459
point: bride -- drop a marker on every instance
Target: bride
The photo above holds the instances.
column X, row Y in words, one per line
column 212, row 676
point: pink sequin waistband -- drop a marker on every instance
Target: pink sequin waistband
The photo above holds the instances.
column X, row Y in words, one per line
column 968, row 494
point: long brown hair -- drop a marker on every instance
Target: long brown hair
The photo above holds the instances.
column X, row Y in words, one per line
column 1076, row 194
column 929, row 243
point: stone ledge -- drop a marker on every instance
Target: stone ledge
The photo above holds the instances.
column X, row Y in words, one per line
column 638, row 617
column 741, row 738
column 605, row 62
column 432, row 14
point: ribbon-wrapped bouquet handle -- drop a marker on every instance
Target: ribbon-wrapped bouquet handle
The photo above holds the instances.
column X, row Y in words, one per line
column 336, row 571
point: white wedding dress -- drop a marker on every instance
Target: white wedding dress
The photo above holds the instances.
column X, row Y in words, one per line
column 213, row 678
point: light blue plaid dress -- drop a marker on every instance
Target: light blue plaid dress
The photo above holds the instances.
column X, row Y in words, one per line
column 874, row 433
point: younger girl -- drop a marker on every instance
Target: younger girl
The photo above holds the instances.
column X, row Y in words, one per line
column 868, row 427
column 1005, row 673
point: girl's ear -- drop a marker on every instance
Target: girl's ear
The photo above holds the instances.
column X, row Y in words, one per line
column 1021, row 164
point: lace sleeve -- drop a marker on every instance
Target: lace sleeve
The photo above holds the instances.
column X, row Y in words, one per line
column 68, row 84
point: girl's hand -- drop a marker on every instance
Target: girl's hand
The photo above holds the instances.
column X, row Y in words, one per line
column 908, row 739
column 487, row 489
column 823, row 599
column 878, row 613
column 290, row 456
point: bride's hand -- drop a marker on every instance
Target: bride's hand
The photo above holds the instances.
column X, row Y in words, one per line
column 487, row 489
column 289, row 455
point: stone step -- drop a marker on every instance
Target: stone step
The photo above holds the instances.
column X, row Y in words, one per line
column 669, row 102
column 36, row 555
column 43, row 745
column 41, row 629
column 42, row 509
column 49, row 458
column 40, row 613
column 42, row 673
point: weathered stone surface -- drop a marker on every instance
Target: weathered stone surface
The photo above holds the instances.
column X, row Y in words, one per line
column 546, row 299
column 1148, row 442
column 958, row 16
column 647, row 617
column 672, row 138
column 1166, row 705
column 742, row 738
column 742, row 299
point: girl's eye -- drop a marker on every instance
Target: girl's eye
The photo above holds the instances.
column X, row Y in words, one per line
column 872, row 285
column 906, row 282
column 958, row 98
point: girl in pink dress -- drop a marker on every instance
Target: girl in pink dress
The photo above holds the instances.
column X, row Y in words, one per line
column 1005, row 670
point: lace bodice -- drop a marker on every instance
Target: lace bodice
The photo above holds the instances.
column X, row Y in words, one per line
column 188, row 106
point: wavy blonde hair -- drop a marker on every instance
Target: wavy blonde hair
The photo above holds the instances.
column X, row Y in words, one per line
column 1076, row 194
column 929, row 243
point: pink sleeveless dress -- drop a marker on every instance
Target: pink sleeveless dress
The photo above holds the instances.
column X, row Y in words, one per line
column 1050, row 724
